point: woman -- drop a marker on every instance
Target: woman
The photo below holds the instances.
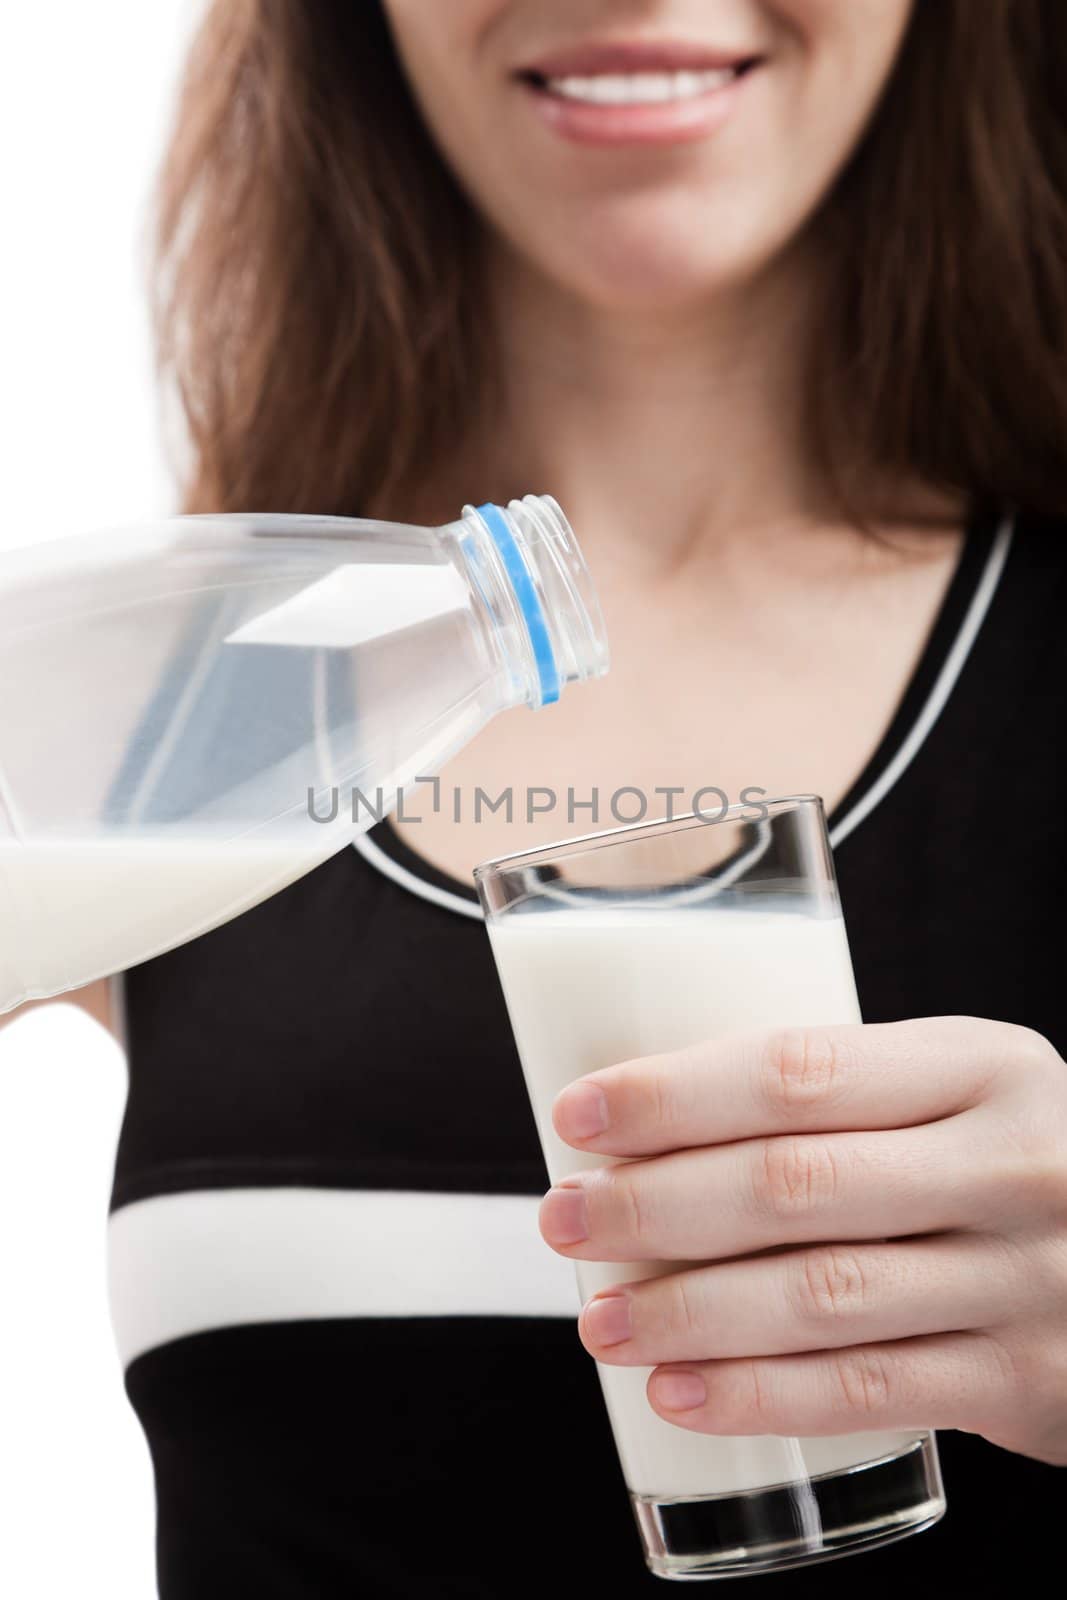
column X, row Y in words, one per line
column 771, row 295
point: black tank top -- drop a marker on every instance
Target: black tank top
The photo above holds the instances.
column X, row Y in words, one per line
column 354, row 1358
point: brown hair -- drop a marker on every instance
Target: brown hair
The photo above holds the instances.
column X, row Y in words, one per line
column 318, row 289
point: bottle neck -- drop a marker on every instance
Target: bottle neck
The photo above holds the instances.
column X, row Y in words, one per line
column 524, row 566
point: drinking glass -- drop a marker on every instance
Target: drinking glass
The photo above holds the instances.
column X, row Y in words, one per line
column 650, row 938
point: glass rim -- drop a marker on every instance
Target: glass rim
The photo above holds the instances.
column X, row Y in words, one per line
column 586, row 843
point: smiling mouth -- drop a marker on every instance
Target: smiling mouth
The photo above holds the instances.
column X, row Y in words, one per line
column 651, row 86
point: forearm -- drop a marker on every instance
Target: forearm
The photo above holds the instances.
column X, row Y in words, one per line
column 93, row 998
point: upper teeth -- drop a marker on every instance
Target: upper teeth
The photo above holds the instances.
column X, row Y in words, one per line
column 634, row 88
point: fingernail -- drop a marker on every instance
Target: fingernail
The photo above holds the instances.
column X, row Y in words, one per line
column 564, row 1219
column 607, row 1318
column 680, row 1391
column 581, row 1111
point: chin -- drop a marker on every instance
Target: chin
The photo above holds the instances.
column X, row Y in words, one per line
column 653, row 252
column 659, row 273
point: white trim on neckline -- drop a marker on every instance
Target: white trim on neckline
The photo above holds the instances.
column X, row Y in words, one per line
column 376, row 856
column 939, row 695
column 920, row 730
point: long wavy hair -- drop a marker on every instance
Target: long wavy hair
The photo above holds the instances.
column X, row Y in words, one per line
column 317, row 287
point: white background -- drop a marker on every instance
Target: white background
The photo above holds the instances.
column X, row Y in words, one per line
column 86, row 95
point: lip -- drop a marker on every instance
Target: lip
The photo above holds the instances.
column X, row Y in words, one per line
column 644, row 123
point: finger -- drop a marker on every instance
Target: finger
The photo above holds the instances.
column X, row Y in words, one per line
column 954, row 1380
column 731, row 1200
column 853, row 1075
column 823, row 1298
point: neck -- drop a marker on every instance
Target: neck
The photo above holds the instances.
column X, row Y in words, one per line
column 661, row 434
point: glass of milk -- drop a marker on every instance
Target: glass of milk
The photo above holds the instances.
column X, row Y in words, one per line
column 650, row 938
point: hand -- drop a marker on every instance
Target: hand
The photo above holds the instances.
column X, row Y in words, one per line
column 910, row 1179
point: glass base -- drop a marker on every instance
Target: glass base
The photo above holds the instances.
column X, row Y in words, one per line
column 795, row 1524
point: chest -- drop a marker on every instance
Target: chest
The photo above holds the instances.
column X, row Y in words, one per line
column 713, row 690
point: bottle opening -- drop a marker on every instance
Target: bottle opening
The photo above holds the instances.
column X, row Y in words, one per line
column 553, row 591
